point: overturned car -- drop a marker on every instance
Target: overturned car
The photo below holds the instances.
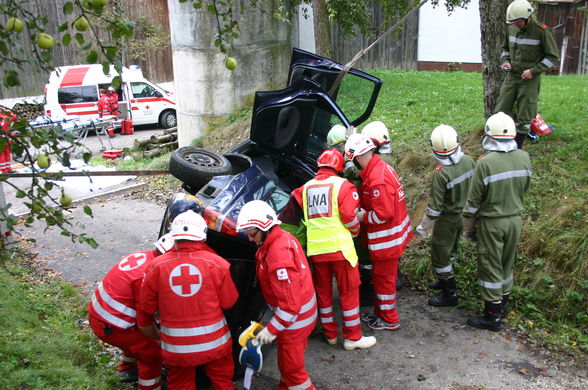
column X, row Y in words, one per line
column 288, row 132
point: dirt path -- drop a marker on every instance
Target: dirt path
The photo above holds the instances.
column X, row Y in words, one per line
column 434, row 349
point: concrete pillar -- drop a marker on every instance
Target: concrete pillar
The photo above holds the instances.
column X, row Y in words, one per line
column 205, row 89
column 303, row 29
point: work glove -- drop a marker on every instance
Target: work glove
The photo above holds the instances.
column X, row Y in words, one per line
column 265, row 336
column 424, row 227
column 469, row 228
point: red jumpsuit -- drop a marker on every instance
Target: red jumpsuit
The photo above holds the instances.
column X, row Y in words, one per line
column 190, row 286
column 286, row 284
column 327, row 265
column 388, row 231
column 105, row 106
column 112, row 315
column 5, row 125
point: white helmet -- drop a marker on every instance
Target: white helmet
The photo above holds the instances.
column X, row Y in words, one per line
column 165, row 243
column 336, row 135
column 257, row 214
column 518, row 9
column 500, row 127
column 357, row 145
column 444, row 140
column 188, row 226
column 377, row 132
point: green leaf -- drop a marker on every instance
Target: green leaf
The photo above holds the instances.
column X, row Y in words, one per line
column 48, row 185
column 92, row 57
column 63, row 27
column 106, row 67
column 80, row 38
column 116, row 82
column 11, row 78
column 66, row 39
column 3, row 48
column 68, row 8
column 20, row 194
column 87, row 210
column 87, row 156
column 212, row 9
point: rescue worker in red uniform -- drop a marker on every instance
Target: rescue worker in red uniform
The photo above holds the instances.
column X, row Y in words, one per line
column 112, row 314
column 113, row 96
column 7, row 118
column 189, row 287
column 104, row 104
column 286, row 283
column 388, row 227
column 329, row 203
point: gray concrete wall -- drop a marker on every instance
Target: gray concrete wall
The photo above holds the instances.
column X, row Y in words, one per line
column 205, row 89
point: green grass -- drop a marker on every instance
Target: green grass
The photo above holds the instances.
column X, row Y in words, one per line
column 43, row 342
column 551, row 274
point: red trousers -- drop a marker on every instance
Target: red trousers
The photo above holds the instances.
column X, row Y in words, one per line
column 133, row 344
column 292, row 366
column 220, row 373
column 5, row 159
column 384, row 280
column 348, row 282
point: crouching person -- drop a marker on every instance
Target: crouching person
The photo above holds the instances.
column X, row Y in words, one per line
column 189, row 287
column 112, row 316
column 286, row 284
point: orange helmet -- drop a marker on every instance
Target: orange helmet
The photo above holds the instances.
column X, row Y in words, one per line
column 331, row 158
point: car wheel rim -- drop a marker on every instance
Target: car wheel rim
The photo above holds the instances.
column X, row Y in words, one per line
column 203, row 160
column 171, row 121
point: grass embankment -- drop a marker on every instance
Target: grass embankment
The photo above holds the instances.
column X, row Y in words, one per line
column 43, row 342
column 551, row 273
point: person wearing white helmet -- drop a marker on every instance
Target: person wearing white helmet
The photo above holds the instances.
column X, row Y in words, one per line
column 449, row 190
column 328, row 204
column 112, row 317
column 492, row 216
column 286, row 284
column 529, row 49
column 190, row 286
column 385, row 216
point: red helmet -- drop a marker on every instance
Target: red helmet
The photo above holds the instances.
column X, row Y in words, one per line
column 331, row 158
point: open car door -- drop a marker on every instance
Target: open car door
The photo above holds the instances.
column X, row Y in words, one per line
column 295, row 121
column 356, row 95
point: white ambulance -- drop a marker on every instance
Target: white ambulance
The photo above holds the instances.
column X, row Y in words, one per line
column 73, row 92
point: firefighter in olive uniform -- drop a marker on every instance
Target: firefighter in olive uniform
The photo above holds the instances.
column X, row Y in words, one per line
column 286, row 284
column 529, row 50
column 329, row 203
column 449, row 190
column 385, row 216
column 492, row 215
column 336, row 138
column 190, row 286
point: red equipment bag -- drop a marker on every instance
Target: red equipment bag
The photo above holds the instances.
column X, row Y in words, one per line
column 112, row 153
column 127, row 127
column 539, row 127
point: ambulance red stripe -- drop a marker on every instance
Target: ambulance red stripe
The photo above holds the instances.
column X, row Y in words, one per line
column 74, row 76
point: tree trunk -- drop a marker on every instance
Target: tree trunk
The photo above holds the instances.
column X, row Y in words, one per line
column 322, row 29
column 493, row 28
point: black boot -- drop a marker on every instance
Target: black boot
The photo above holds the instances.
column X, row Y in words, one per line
column 520, row 139
column 448, row 295
column 436, row 285
column 491, row 318
column 504, row 309
column 399, row 282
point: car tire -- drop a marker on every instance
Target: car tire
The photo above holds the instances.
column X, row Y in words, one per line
column 168, row 120
column 196, row 166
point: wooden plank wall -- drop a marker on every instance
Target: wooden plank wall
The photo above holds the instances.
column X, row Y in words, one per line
column 156, row 65
column 397, row 50
column 573, row 26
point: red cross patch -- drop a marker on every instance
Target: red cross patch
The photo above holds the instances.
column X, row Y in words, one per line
column 132, row 261
column 185, row 280
column 376, row 193
column 282, row 274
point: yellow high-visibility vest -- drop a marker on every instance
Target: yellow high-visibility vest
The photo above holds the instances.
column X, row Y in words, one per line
column 325, row 233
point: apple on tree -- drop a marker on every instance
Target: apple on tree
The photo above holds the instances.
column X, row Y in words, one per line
column 231, row 63
column 81, row 24
column 14, row 25
column 45, row 41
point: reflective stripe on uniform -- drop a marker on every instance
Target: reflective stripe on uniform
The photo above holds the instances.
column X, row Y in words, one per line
column 389, row 244
column 285, row 316
column 470, row 209
column 387, row 307
column 303, row 386
column 449, row 268
column 193, row 348
column 351, row 323
column 149, row 382
column 326, row 310
column 524, row 41
column 389, row 232
column 460, row 179
column 497, row 285
column 352, row 223
column 547, row 63
column 303, row 323
column 433, row 213
column 386, row 297
column 196, row 331
column 119, row 322
column 373, row 218
column 116, row 305
column 505, row 54
column 506, row 175
column 347, row 313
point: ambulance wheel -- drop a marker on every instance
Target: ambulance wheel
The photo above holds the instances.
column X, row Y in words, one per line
column 196, row 166
column 168, row 120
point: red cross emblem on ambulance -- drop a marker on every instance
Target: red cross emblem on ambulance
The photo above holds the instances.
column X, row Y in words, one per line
column 185, row 280
column 132, row 261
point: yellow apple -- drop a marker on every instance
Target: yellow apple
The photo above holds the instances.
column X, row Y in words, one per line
column 14, row 24
column 81, row 24
column 65, row 200
column 231, row 63
column 45, row 41
column 43, row 161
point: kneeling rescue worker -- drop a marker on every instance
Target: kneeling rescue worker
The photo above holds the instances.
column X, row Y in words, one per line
column 190, row 286
column 286, row 284
column 449, row 190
